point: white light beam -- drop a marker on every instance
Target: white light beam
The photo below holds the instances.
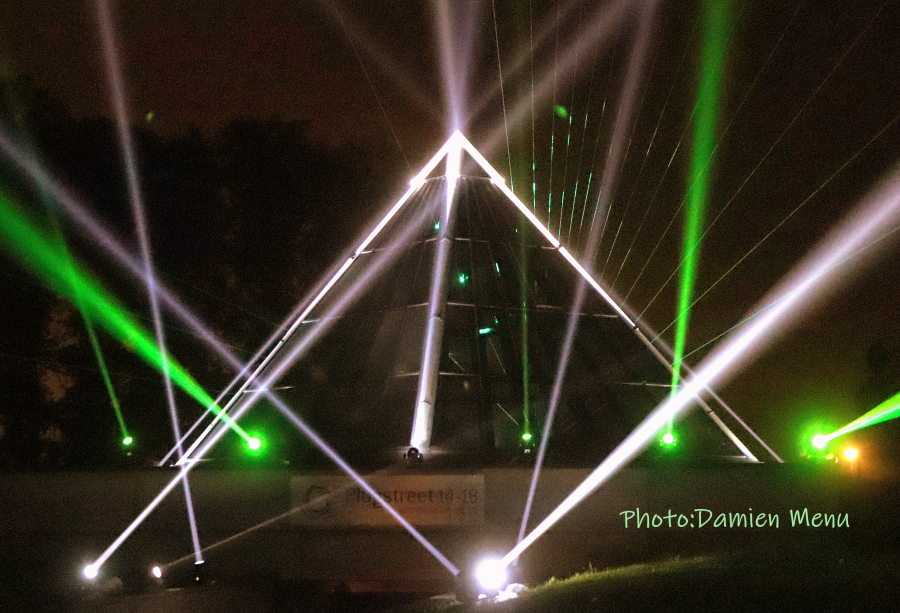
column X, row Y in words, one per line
column 815, row 277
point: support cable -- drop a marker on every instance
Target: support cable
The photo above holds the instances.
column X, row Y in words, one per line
column 371, row 84
column 782, row 222
column 724, row 132
column 502, row 96
column 774, row 144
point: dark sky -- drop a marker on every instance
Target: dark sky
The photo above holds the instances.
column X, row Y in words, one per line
column 806, row 86
column 203, row 63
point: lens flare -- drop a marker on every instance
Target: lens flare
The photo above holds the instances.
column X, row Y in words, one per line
column 491, row 574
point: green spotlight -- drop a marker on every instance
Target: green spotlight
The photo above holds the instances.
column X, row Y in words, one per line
column 487, row 330
column 437, row 226
column 668, row 438
column 819, row 441
column 526, row 436
column 256, row 450
column 127, row 441
column 462, row 278
column 561, row 111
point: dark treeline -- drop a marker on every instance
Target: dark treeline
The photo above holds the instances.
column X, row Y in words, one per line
column 242, row 222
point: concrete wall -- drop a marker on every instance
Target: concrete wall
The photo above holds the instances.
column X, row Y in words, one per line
column 54, row 523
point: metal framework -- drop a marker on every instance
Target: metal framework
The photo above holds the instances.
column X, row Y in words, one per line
column 423, row 418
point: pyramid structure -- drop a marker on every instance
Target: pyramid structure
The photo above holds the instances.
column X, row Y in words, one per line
column 455, row 305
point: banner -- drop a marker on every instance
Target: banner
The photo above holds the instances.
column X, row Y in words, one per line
column 424, row 500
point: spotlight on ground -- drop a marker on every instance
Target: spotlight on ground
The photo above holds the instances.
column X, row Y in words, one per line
column 199, row 573
column 254, row 444
column 413, row 456
column 819, row 441
column 851, row 453
column 91, row 571
column 127, row 441
column 491, row 575
column 527, row 447
column 668, row 438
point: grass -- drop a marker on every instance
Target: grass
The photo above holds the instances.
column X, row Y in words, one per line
column 797, row 580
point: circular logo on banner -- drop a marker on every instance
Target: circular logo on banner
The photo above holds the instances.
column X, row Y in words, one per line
column 316, row 500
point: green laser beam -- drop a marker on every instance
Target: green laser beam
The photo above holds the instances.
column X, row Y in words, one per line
column 104, row 373
column 45, row 259
column 95, row 345
column 523, row 329
column 88, row 324
column 715, row 39
column 889, row 409
column 550, row 186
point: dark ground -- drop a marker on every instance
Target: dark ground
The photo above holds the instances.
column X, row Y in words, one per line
column 814, row 579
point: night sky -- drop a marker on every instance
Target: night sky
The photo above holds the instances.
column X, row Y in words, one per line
column 806, row 87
